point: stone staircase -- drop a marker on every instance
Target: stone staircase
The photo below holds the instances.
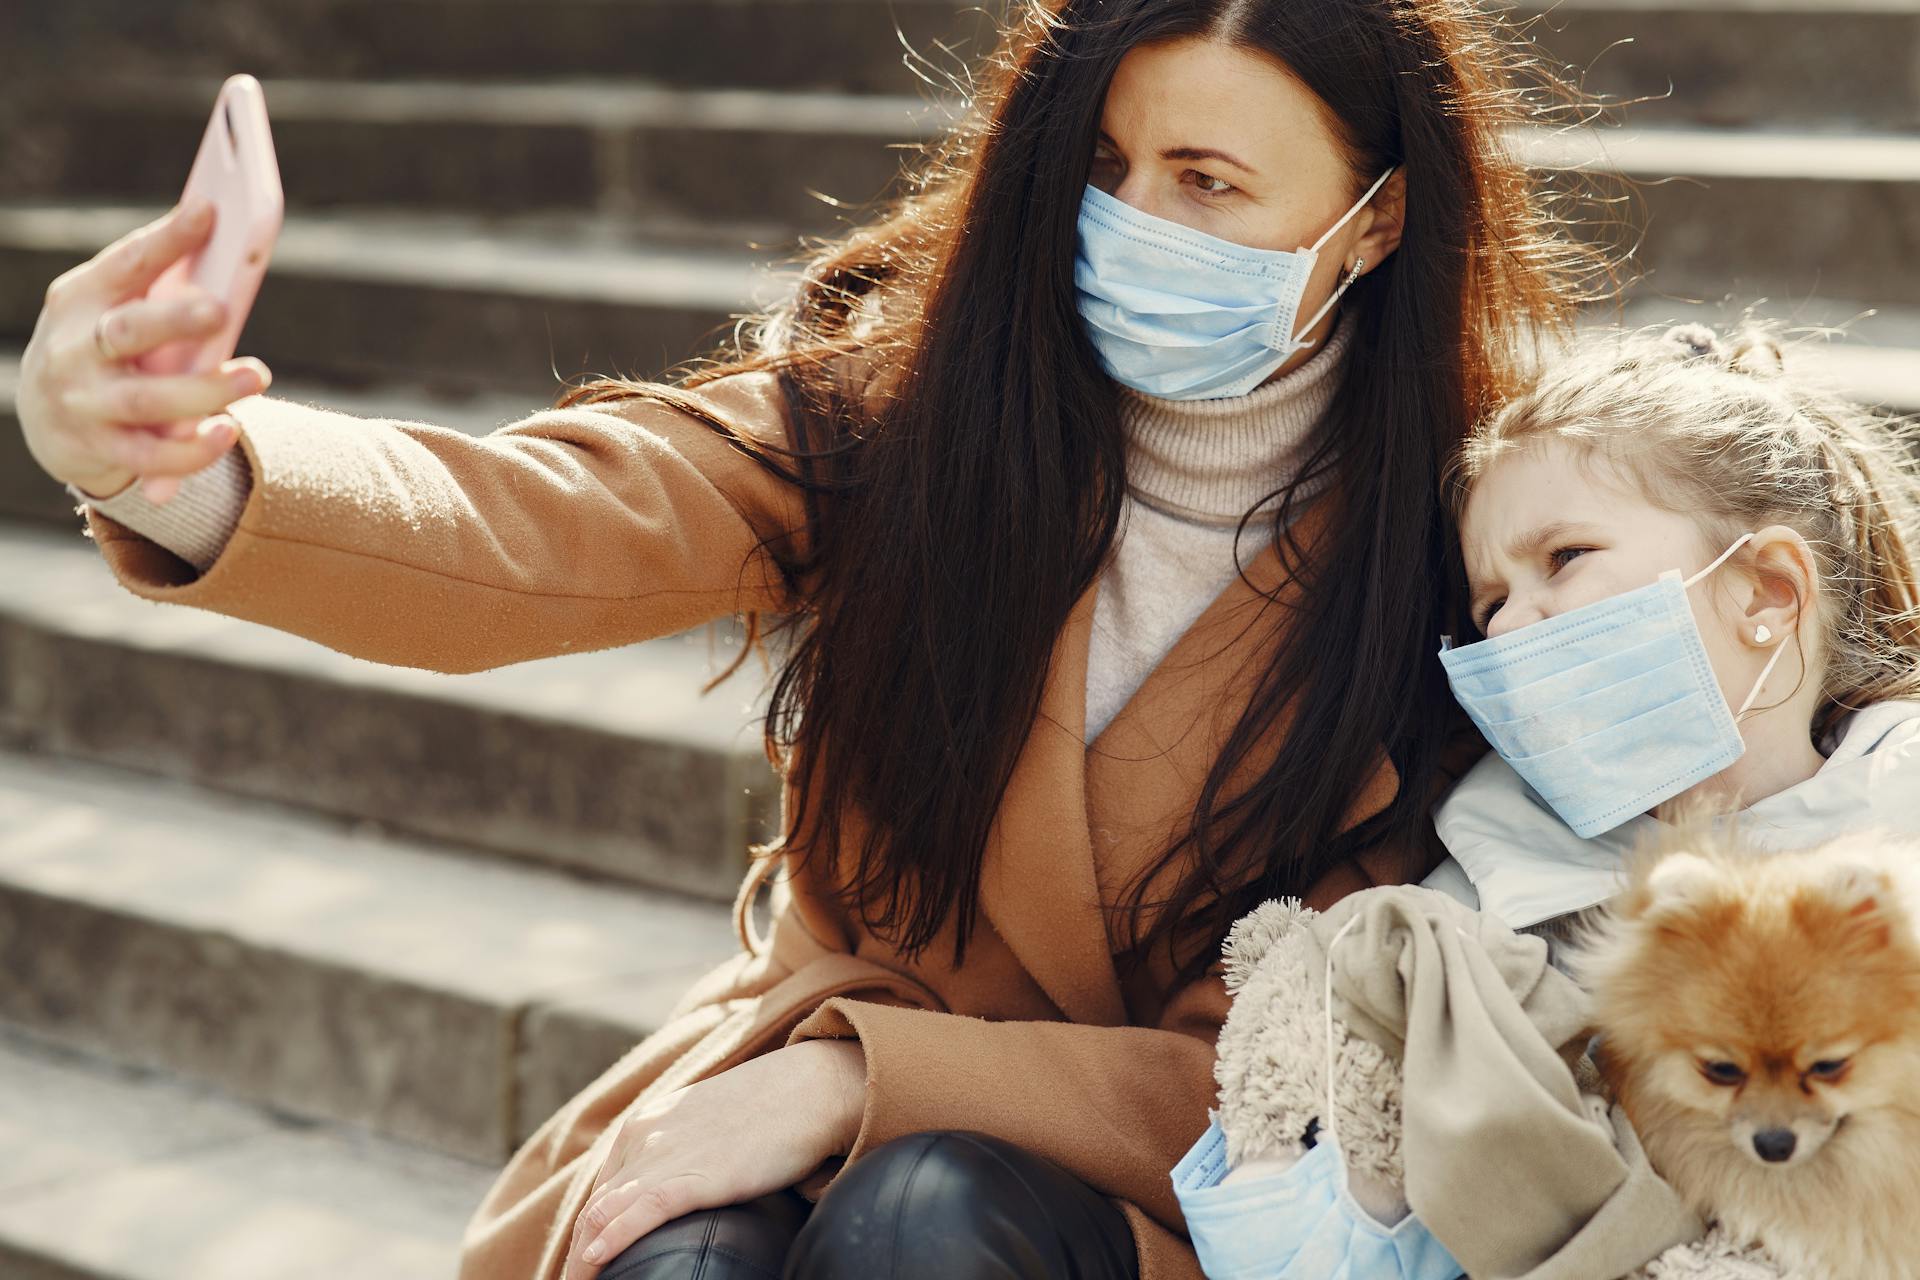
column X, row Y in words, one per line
column 297, row 947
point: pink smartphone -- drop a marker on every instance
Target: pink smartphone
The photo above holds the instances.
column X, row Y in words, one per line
column 235, row 168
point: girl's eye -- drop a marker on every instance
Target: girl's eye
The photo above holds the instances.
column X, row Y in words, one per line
column 1200, row 180
column 1561, row 558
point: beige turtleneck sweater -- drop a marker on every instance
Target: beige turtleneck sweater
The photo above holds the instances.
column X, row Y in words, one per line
column 1194, row 467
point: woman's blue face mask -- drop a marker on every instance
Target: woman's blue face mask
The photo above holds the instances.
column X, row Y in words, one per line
column 1609, row 709
column 1183, row 315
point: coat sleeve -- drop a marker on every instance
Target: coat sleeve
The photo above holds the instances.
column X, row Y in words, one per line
column 566, row 531
column 1115, row 1106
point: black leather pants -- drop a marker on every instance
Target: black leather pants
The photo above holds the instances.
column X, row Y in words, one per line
column 929, row 1206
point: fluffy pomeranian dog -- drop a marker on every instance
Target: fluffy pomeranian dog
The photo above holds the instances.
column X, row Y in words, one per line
column 1759, row 1016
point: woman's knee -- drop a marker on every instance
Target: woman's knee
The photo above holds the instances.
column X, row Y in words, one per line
column 739, row 1242
column 962, row 1205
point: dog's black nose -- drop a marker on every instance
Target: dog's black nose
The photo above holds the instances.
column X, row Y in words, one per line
column 1774, row 1145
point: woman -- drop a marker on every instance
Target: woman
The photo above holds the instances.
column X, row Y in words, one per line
column 1106, row 528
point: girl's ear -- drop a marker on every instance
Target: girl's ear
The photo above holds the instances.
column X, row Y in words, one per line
column 1785, row 576
column 1387, row 223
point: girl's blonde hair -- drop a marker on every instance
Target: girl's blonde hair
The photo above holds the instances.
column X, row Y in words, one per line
column 1716, row 428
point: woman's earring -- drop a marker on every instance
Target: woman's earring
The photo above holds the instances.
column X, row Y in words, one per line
column 1359, row 264
column 1761, row 634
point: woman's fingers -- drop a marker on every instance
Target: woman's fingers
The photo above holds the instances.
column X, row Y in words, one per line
column 129, row 266
column 158, row 457
column 159, row 489
column 158, row 399
column 617, row 1216
column 134, row 328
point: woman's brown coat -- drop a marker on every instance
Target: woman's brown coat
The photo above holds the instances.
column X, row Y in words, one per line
column 579, row 529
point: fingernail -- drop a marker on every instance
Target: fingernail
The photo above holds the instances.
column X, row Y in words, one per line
column 594, row 1251
column 204, row 312
column 244, row 381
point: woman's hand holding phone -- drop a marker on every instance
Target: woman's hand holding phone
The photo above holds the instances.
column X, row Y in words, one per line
column 90, row 417
column 132, row 351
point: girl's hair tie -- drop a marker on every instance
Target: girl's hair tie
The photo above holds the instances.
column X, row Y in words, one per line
column 1694, row 341
column 1749, row 350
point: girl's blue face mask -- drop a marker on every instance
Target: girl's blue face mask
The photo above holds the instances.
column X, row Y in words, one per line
column 1183, row 315
column 1302, row 1223
column 1607, row 710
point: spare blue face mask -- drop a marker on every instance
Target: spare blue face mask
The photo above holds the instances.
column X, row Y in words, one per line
column 1183, row 315
column 1609, row 709
column 1303, row 1222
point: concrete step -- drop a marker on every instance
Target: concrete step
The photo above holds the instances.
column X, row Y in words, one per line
column 733, row 165
column 458, row 304
column 853, row 45
column 1837, row 64
column 1758, row 213
column 319, row 968
column 464, row 302
column 114, row 1174
column 611, row 763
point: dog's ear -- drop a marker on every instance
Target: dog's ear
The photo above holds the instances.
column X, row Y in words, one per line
column 1848, row 898
column 1850, row 885
column 1680, row 886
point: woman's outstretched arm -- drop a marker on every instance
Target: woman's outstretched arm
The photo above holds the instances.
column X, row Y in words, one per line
column 416, row 545
column 401, row 542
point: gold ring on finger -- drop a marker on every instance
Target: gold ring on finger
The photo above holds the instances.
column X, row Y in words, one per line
column 100, row 339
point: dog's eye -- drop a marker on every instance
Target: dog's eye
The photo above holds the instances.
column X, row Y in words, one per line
column 1829, row 1068
column 1723, row 1073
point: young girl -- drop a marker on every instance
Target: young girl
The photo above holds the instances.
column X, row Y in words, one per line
column 1699, row 581
column 1091, row 479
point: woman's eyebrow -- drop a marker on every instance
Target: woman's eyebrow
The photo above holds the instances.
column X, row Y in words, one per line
column 1206, row 153
column 1192, row 153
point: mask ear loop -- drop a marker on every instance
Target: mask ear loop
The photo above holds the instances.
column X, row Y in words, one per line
column 1778, row 653
column 1358, row 205
column 1345, row 218
column 1721, row 559
column 1332, row 1134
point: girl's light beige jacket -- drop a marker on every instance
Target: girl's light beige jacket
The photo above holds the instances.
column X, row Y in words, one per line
column 579, row 529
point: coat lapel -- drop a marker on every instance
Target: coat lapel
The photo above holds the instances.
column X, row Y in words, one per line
column 1038, row 884
column 1078, row 822
column 1144, row 774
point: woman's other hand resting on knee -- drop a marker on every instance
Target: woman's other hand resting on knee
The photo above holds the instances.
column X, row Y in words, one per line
column 764, row 1125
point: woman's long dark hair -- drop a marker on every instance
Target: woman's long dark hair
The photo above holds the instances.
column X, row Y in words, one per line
column 963, row 458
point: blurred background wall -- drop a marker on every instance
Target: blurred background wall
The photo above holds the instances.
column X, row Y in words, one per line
column 295, row 948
